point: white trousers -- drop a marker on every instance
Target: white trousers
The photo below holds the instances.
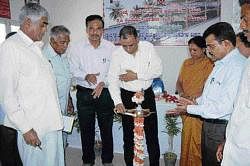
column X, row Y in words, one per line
column 52, row 153
column 235, row 156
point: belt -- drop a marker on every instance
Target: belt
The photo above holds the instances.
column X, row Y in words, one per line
column 216, row 121
column 81, row 88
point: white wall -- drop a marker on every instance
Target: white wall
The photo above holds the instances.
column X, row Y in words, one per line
column 72, row 14
column 16, row 5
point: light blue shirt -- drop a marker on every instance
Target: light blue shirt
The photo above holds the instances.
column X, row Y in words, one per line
column 62, row 74
column 2, row 115
column 220, row 90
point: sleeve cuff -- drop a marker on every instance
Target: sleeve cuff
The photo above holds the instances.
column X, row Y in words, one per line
column 117, row 101
column 24, row 129
column 192, row 109
column 21, row 125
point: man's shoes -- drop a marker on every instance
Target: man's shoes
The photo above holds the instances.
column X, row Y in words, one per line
column 107, row 164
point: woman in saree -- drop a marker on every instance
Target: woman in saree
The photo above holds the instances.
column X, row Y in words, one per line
column 190, row 83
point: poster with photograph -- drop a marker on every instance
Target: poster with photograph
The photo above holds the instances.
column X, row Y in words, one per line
column 161, row 22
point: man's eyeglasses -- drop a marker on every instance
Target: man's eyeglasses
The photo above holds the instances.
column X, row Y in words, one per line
column 213, row 46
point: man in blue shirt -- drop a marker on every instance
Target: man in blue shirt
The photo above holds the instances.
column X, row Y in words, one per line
column 55, row 53
column 216, row 103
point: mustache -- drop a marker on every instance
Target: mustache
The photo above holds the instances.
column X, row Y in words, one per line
column 211, row 54
column 246, row 31
column 95, row 35
column 245, row 39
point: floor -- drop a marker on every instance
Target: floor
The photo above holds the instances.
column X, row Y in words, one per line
column 73, row 158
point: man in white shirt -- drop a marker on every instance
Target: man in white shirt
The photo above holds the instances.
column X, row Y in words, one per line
column 28, row 92
column 237, row 146
column 216, row 103
column 9, row 155
column 133, row 67
column 89, row 63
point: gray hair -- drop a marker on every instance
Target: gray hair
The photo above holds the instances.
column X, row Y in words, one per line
column 57, row 30
column 33, row 11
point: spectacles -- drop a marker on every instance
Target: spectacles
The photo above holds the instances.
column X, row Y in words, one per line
column 213, row 46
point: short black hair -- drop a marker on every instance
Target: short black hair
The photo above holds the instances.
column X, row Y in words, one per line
column 243, row 39
column 221, row 31
column 242, row 2
column 199, row 41
column 128, row 30
column 9, row 35
column 94, row 17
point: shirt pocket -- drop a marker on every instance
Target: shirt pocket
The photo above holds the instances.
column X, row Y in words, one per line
column 128, row 65
column 143, row 65
column 215, row 89
column 105, row 62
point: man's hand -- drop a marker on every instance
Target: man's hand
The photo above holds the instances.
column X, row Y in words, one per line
column 91, row 78
column 31, row 138
column 176, row 111
column 219, row 153
column 184, row 101
column 181, row 108
column 98, row 90
column 129, row 76
column 120, row 108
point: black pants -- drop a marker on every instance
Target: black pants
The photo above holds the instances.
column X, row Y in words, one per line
column 9, row 155
column 211, row 136
column 150, row 128
column 88, row 109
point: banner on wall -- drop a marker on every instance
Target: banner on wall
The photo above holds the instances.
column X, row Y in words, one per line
column 4, row 9
column 161, row 22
